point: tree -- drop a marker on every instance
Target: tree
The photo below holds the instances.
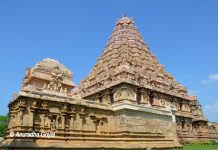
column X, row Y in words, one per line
column 3, row 125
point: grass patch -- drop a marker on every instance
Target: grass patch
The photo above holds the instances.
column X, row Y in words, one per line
column 201, row 146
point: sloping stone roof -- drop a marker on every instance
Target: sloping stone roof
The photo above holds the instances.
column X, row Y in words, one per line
column 126, row 57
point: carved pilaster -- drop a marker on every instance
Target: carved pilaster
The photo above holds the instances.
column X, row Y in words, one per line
column 99, row 121
column 72, row 115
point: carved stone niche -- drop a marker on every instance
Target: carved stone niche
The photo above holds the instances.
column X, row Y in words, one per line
column 178, row 123
column 44, row 105
column 196, row 108
column 55, row 85
column 158, row 100
column 145, row 96
column 34, row 103
column 110, row 93
column 150, row 97
column 82, row 113
column 56, row 121
column 138, row 95
column 125, row 92
column 177, row 103
column 185, row 107
column 53, row 121
column 105, row 97
column 99, row 97
column 120, row 93
column 184, row 123
column 22, row 104
column 212, row 129
column 37, row 119
column 201, row 127
column 61, row 121
column 141, row 96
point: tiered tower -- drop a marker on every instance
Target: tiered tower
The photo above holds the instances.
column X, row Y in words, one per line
column 128, row 101
column 128, row 62
column 128, row 72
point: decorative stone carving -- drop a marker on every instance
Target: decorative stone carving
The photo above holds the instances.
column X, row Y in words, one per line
column 50, row 77
column 158, row 100
column 128, row 96
column 98, row 121
column 127, row 57
column 55, row 85
column 185, row 107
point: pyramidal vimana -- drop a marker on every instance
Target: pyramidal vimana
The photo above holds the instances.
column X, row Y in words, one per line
column 128, row 101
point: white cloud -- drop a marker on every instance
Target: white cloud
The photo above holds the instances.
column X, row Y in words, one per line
column 211, row 78
column 211, row 111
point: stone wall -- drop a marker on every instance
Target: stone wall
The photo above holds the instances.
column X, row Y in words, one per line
column 213, row 130
column 82, row 123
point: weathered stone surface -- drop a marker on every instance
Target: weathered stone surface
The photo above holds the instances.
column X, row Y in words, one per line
column 128, row 101
column 48, row 76
column 127, row 58
column 88, row 124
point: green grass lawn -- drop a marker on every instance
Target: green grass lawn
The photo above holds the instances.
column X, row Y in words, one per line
column 200, row 147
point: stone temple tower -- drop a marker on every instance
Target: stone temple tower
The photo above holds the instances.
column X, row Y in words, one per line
column 128, row 101
column 128, row 73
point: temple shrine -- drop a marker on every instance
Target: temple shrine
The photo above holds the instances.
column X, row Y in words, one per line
column 128, row 101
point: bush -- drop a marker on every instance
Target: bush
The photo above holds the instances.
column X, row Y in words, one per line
column 215, row 142
column 3, row 125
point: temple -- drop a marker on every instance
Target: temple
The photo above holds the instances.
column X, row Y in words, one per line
column 128, row 101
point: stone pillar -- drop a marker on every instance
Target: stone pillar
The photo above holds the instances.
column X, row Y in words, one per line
column 96, row 122
column 63, row 121
column 173, row 111
column 42, row 118
column 11, row 122
column 72, row 115
column 31, row 116
column 82, row 118
column 77, row 123
column 18, row 118
column 72, row 121
column 47, row 120
column 32, row 113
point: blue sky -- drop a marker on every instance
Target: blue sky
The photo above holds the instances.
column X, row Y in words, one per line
column 182, row 34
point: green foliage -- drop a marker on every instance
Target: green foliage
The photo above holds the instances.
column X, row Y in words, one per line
column 200, row 145
column 3, row 125
column 214, row 142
